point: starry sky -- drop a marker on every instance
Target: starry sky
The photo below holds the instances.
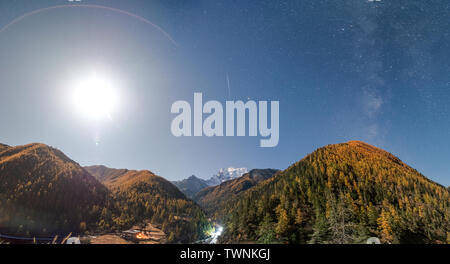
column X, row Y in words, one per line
column 342, row 70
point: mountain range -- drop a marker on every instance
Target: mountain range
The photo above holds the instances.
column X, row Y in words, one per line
column 214, row 197
column 341, row 193
column 45, row 193
column 192, row 185
column 225, row 175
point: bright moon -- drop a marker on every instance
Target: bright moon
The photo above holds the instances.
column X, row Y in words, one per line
column 95, row 98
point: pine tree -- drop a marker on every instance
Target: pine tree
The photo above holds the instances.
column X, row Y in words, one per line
column 266, row 231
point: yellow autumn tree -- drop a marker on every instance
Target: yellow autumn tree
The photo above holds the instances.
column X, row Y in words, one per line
column 283, row 221
column 385, row 227
column 298, row 217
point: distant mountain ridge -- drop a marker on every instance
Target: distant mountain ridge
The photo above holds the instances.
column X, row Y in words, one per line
column 226, row 174
column 123, row 179
column 3, row 147
column 213, row 197
column 191, row 185
column 103, row 173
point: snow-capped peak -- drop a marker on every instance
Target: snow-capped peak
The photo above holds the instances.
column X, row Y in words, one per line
column 226, row 174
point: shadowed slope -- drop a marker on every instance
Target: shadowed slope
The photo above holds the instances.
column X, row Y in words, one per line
column 191, row 186
column 3, row 147
column 214, row 197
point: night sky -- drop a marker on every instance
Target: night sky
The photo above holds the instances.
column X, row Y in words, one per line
column 342, row 70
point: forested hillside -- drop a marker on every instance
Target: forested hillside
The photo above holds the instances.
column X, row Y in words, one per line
column 43, row 192
column 342, row 193
column 213, row 198
column 144, row 196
